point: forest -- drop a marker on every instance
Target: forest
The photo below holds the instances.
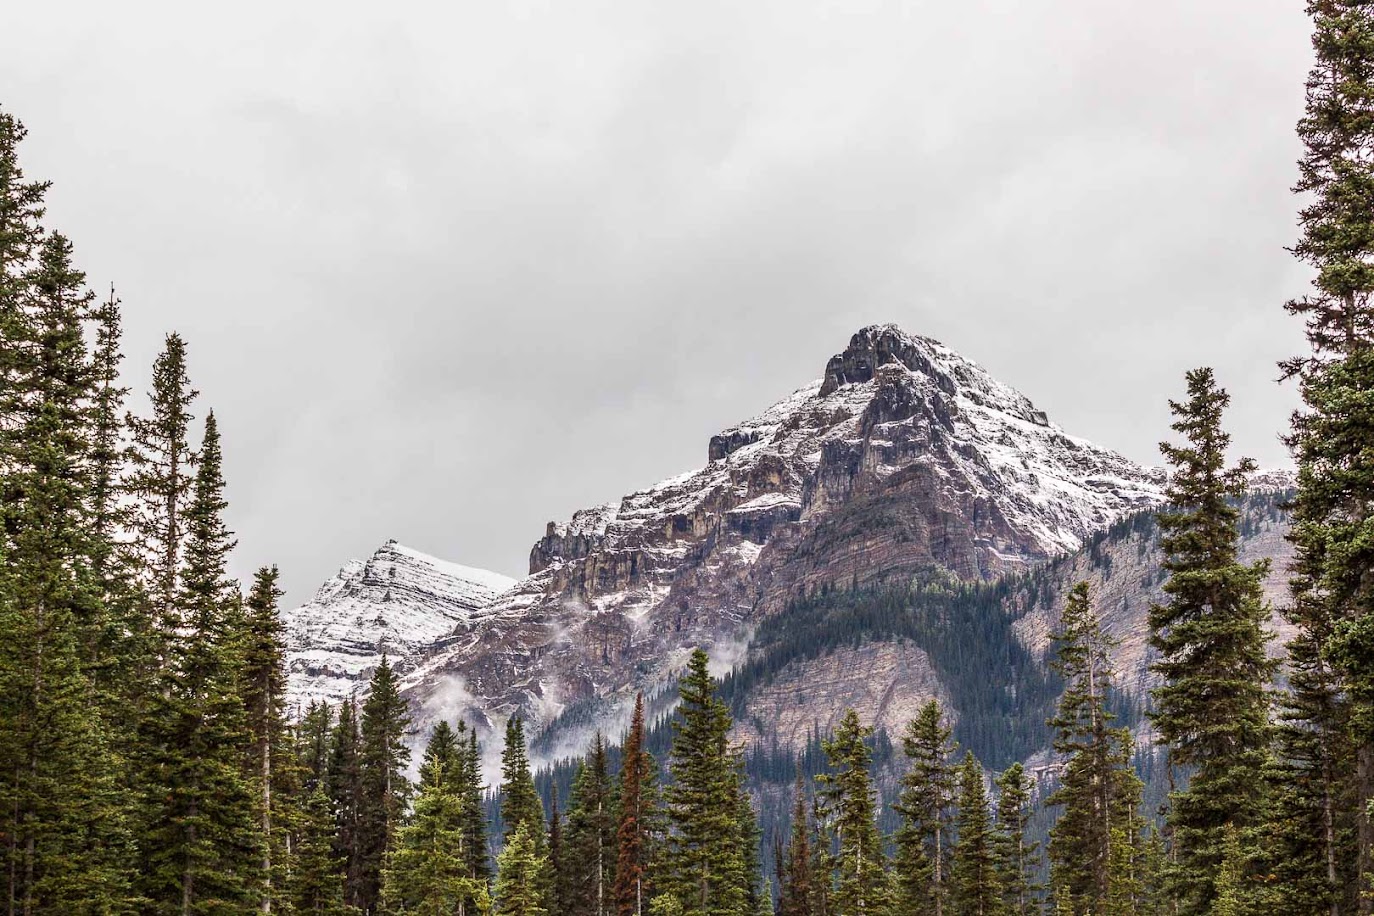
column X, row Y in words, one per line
column 148, row 764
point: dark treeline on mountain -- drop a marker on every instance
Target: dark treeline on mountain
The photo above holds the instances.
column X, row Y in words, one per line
column 148, row 764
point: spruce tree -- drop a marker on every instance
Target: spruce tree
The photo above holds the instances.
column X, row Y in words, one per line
column 384, row 789
column 63, row 827
column 521, row 870
column 849, row 808
column 344, row 781
column 560, row 876
column 921, row 885
column 427, row 874
column 160, row 479
column 1329, row 743
column 205, row 850
column 313, row 736
column 589, row 856
column 795, row 880
column 1212, row 709
column 1018, row 858
column 632, row 840
column 706, row 872
column 975, row 885
column 472, row 791
column 316, row 882
column 1099, row 792
column 520, row 802
column 263, row 691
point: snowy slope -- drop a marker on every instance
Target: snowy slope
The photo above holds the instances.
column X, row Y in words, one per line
column 398, row 602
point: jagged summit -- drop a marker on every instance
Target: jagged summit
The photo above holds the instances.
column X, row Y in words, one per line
column 396, row 602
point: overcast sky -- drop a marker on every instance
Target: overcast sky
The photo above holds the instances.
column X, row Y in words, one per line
column 450, row 270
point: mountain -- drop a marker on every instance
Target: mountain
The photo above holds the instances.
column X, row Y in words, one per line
column 397, row 602
column 902, row 457
column 903, row 527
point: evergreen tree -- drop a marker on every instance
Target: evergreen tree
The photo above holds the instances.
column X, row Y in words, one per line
column 313, row 737
column 427, row 874
column 263, row 690
column 471, row 790
column 64, row 833
column 795, row 880
column 561, row 878
column 344, row 779
column 921, row 879
column 706, row 874
column 1329, row 744
column 206, row 847
column 384, row 790
column 1018, row 859
column 975, row 888
column 521, row 869
column 317, row 879
column 520, row 803
column 632, row 841
column 850, row 809
column 1212, row 710
column 160, row 478
column 442, row 759
column 589, row 856
column 1099, row 792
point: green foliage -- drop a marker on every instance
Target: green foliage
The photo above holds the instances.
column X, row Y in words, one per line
column 848, row 812
column 521, row 875
column 384, row 791
column 705, row 872
column 975, row 881
column 589, row 853
column 923, row 839
column 1018, row 859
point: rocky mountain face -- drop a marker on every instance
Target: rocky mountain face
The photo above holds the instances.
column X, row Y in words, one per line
column 398, row 603
column 902, row 459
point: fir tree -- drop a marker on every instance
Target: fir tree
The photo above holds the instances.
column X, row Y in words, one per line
column 428, row 874
column 442, row 759
column 313, row 737
column 263, row 689
column 795, row 880
column 1018, row 859
column 1332, row 659
column 561, row 878
column 1099, row 793
column 317, row 879
column 521, row 885
column 975, row 888
column 850, row 809
column 1212, row 710
column 160, row 478
column 206, row 847
column 921, row 879
column 384, row 790
column 632, row 841
column 471, row 790
column 705, row 874
column 520, row 803
column 344, row 779
column 589, row 856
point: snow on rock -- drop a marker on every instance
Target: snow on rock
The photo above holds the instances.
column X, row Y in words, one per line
column 398, row 603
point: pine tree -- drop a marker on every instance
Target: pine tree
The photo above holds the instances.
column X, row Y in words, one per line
column 850, row 809
column 795, row 880
column 1018, row 859
column 206, row 847
column 442, row 759
column 472, row 791
column 384, row 789
column 705, row 872
column 161, row 463
column 975, row 888
column 263, row 690
column 427, row 874
column 521, row 869
column 60, row 817
column 1332, row 659
column 1212, row 710
column 317, row 879
column 344, row 780
column 520, row 803
column 313, row 736
column 1099, row 792
column 589, row 854
column 632, row 840
column 921, row 879
column 561, row 878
